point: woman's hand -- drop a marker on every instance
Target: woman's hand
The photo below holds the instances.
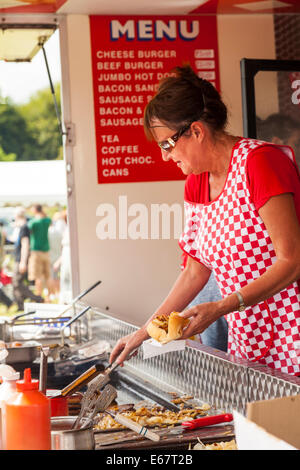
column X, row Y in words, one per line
column 126, row 345
column 201, row 316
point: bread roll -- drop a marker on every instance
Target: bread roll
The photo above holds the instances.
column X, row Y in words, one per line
column 165, row 328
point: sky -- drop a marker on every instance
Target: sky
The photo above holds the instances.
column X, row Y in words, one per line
column 33, row 74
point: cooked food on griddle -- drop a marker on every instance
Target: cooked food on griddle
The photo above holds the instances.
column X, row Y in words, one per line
column 227, row 445
column 151, row 417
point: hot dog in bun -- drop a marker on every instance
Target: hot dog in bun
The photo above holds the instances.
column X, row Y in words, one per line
column 166, row 328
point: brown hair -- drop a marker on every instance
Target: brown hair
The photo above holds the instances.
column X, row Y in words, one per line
column 38, row 208
column 183, row 98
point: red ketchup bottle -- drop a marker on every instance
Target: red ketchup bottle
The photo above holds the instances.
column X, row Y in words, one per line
column 27, row 424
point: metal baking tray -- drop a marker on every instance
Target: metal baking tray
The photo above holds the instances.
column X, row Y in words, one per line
column 23, row 353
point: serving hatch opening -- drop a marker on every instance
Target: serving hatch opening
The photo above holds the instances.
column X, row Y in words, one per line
column 33, row 167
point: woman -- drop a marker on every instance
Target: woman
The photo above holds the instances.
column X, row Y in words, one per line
column 242, row 201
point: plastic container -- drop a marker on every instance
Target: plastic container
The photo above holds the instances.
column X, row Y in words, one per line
column 27, row 424
column 8, row 390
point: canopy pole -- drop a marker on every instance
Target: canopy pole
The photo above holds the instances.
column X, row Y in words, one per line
column 52, row 90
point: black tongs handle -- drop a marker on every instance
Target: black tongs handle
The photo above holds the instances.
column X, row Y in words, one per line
column 22, row 315
column 86, row 291
column 72, row 320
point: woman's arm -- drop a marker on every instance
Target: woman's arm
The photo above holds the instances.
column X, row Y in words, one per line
column 189, row 283
column 280, row 219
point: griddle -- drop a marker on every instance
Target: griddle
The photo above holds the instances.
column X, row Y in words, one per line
column 133, row 389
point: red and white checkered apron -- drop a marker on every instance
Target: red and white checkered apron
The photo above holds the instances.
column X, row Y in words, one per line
column 228, row 236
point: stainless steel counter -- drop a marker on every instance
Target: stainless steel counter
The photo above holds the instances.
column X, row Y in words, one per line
column 208, row 374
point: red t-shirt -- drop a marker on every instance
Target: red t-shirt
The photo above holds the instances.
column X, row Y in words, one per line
column 270, row 173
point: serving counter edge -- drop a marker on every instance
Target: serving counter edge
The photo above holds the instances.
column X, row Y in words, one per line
column 208, row 374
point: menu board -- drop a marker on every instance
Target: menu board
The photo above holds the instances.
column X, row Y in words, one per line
column 130, row 55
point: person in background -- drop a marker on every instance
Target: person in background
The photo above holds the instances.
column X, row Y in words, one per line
column 2, row 242
column 55, row 238
column 64, row 264
column 21, row 290
column 280, row 129
column 39, row 259
column 59, row 220
column 4, row 299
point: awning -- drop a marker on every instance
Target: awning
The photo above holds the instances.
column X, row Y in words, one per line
column 20, row 43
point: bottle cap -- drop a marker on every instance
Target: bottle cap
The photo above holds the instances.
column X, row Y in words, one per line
column 27, row 383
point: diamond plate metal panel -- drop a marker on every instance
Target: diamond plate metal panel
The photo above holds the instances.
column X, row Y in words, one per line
column 265, row 384
column 209, row 375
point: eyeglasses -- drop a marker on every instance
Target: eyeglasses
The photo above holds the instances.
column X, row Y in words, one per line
column 170, row 143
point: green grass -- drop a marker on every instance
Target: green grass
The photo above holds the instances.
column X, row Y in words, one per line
column 9, row 312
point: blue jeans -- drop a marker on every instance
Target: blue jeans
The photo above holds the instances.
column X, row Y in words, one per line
column 216, row 335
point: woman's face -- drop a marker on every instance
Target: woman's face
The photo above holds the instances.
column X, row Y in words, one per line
column 187, row 150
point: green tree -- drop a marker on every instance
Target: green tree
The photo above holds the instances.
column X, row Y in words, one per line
column 40, row 116
column 4, row 157
column 15, row 137
column 30, row 131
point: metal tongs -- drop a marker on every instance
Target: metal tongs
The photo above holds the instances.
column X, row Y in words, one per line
column 113, row 365
column 81, row 381
column 105, row 375
column 88, row 376
column 94, row 402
